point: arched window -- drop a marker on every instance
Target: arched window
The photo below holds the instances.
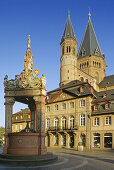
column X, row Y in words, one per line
column 93, row 63
column 80, row 66
column 99, row 65
column 71, row 123
column 56, row 123
column 87, row 63
column 67, row 49
column 63, row 122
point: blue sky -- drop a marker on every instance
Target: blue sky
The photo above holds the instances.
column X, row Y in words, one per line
column 45, row 21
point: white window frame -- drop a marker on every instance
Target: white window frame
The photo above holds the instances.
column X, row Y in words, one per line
column 48, row 108
column 63, row 122
column 56, row 122
column 56, row 107
column 96, row 121
column 82, row 103
column 63, row 106
column 71, row 122
column 108, row 120
column 71, row 105
column 82, row 119
column 47, row 123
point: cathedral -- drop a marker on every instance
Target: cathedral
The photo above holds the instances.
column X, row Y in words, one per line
column 80, row 112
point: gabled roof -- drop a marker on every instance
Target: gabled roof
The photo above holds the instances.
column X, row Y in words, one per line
column 89, row 45
column 107, row 81
column 68, row 31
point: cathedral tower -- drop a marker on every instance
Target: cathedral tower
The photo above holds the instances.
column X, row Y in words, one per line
column 68, row 60
column 90, row 58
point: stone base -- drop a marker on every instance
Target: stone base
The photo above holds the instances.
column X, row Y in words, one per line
column 27, row 160
column 25, row 144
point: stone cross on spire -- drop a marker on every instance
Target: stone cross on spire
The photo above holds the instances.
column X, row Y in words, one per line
column 28, row 43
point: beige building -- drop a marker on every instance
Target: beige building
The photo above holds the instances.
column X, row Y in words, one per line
column 80, row 113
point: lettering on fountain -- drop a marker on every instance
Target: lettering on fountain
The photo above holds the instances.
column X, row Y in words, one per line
column 29, row 89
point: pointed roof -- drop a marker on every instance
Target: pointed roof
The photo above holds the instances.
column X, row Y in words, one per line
column 89, row 45
column 68, row 31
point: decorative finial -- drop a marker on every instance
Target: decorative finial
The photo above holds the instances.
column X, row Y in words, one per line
column 28, row 43
column 68, row 13
column 89, row 14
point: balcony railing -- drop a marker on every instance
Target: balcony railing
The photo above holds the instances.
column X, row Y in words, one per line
column 62, row 128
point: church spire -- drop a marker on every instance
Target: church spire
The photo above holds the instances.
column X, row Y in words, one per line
column 68, row 31
column 89, row 45
column 28, row 43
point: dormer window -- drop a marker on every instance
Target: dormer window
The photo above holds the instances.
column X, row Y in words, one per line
column 95, row 107
column 81, row 89
column 107, row 106
column 104, row 95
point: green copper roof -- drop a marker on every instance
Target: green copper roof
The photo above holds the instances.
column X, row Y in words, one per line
column 89, row 45
column 68, row 31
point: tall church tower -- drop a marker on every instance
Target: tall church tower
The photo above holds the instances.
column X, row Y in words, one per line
column 90, row 58
column 68, row 60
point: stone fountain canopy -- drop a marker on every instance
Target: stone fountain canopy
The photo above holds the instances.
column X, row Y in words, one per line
column 26, row 88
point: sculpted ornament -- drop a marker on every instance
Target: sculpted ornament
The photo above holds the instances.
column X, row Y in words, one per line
column 28, row 77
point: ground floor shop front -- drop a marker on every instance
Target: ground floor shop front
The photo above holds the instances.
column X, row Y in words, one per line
column 81, row 140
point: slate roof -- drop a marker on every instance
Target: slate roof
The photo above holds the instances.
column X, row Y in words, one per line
column 107, row 81
column 68, row 31
column 100, row 101
column 72, row 88
column 89, row 42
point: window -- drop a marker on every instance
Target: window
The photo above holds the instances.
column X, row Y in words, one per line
column 47, row 123
column 56, row 107
column 96, row 140
column 21, row 116
column 82, row 120
column 107, row 106
column 71, row 105
column 108, row 120
column 16, row 127
column 63, row 122
column 16, row 117
column 108, row 140
column 95, row 107
column 28, row 116
column 63, row 106
column 56, row 123
column 48, row 108
column 96, row 121
column 71, row 122
column 82, row 103
column 81, row 89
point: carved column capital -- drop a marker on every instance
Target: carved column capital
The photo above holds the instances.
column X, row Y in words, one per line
column 9, row 101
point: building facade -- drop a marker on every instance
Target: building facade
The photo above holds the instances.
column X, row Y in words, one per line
column 80, row 113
